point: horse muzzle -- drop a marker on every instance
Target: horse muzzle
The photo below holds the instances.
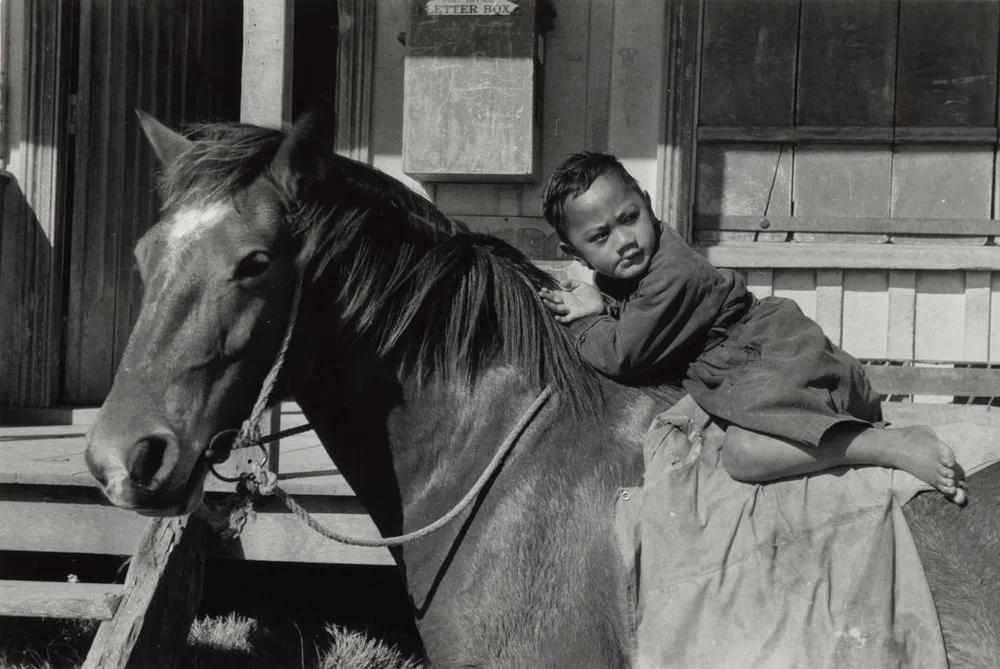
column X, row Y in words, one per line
column 145, row 476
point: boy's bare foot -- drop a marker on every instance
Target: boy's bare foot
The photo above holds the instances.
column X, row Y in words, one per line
column 932, row 461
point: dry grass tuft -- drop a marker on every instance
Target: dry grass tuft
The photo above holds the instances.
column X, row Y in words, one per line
column 357, row 651
column 231, row 633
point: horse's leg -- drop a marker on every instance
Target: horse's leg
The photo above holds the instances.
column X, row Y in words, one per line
column 960, row 551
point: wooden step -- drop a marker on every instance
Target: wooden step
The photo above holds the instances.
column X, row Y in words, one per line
column 53, row 455
column 55, row 599
column 291, row 415
column 65, row 519
column 64, row 415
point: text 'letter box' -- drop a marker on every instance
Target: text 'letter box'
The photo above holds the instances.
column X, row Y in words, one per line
column 472, row 93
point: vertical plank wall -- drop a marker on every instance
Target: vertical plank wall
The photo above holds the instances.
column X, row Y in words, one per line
column 35, row 45
column 176, row 61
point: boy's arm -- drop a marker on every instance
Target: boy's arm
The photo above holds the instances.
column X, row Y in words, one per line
column 674, row 304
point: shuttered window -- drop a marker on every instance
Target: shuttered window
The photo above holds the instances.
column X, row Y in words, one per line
column 868, row 121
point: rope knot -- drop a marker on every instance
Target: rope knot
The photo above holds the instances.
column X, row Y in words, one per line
column 261, row 481
column 249, row 433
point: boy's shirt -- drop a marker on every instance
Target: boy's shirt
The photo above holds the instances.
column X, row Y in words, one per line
column 659, row 324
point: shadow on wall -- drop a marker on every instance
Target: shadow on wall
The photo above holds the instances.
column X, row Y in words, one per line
column 26, row 255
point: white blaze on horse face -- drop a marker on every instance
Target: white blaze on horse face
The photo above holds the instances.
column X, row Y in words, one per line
column 189, row 224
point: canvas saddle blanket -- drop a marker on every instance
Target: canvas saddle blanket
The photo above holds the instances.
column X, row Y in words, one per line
column 816, row 572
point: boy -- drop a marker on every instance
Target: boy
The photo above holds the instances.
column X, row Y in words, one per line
column 792, row 402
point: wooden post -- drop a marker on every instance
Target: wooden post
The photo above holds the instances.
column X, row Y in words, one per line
column 636, row 125
column 355, row 73
column 266, row 97
column 163, row 590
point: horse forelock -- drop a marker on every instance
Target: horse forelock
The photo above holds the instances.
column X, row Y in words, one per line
column 222, row 160
column 429, row 294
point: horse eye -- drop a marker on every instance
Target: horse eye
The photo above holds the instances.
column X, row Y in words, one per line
column 252, row 266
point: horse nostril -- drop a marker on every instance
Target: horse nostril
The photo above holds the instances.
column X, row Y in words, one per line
column 151, row 460
column 95, row 470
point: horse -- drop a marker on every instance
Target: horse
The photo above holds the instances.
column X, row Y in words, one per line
column 417, row 347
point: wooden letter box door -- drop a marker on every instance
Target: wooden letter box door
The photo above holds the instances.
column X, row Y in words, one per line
column 472, row 96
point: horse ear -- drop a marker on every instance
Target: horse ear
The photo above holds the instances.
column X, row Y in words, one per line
column 303, row 153
column 167, row 143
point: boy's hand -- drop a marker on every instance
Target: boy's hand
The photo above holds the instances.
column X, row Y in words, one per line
column 573, row 300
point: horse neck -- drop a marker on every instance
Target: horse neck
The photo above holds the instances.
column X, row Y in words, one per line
column 443, row 437
column 411, row 451
column 408, row 448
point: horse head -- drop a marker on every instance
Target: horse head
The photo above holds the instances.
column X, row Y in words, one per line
column 250, row 215
column 218, row 273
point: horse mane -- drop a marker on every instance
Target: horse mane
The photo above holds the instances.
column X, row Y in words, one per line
column 439, row 300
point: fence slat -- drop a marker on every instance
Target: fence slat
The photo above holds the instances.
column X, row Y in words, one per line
column 937, row 381
column 830, row 303
column 994, row 324
column 977, row 316
column 902, row 313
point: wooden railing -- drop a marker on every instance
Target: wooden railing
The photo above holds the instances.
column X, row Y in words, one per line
column 960, row 380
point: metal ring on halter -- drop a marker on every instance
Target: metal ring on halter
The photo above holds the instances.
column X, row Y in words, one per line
column 213, row 460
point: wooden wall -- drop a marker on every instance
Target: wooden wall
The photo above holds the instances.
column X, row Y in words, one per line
column 905, row 314
column 35, row 47
column 841, row 153
column 603, row 79
column 178, row 61
column 845, row 156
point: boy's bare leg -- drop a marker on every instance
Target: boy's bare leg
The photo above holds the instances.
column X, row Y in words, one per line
column 751, row 456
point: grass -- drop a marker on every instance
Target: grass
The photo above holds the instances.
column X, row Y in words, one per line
column 231, row 632
column 27, row 643
column 349, row 648
column 253, row 616
column 230, row 641
column 237, row 641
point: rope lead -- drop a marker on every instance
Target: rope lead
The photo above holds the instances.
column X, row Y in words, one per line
column 264, row 482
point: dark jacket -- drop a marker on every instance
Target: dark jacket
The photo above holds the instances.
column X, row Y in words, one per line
column 659, row 324
column 764, row 366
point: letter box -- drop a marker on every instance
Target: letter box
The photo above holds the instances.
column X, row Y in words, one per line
column 472, row 92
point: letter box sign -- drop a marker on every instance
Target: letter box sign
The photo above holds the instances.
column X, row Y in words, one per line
column 459, row 8
column 472, row 91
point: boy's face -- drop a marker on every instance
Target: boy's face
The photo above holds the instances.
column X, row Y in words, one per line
column 611, row 229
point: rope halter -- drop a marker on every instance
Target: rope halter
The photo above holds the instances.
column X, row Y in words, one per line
column 261, row 481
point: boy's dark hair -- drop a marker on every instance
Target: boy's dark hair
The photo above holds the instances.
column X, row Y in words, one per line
column 572, row 177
